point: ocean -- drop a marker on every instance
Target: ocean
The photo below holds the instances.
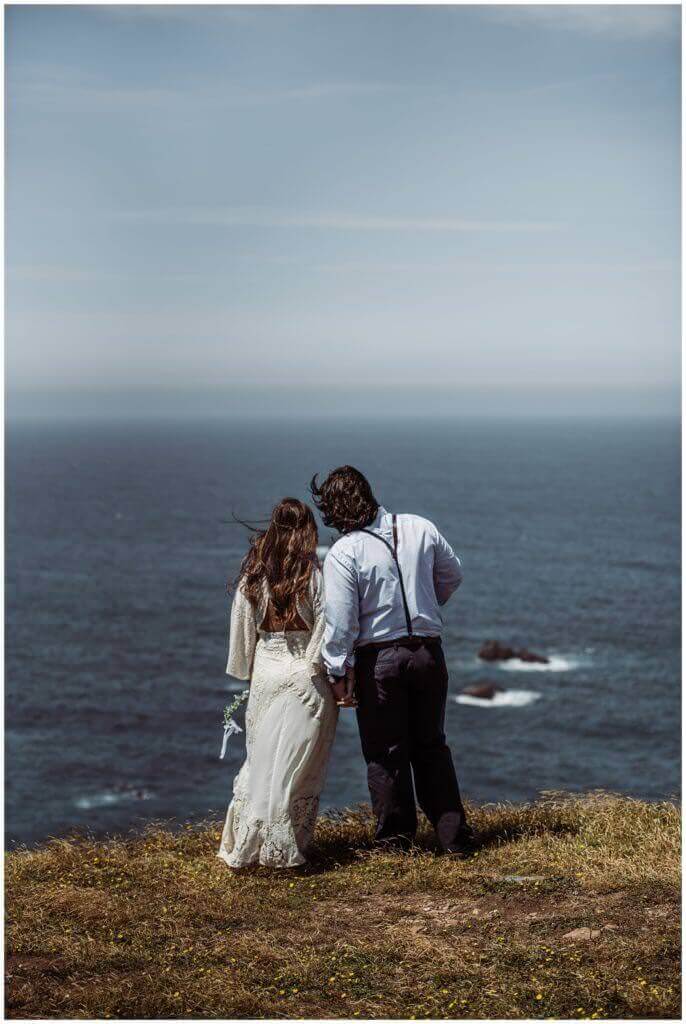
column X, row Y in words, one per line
column 120, row 543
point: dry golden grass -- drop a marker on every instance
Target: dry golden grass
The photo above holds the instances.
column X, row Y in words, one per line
column 156, row 926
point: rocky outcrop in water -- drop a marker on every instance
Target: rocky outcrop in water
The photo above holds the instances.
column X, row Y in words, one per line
column 486, row 691
column 494, row 651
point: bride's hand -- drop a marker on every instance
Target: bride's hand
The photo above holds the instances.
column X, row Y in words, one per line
column 343, row 689
column 338, row 688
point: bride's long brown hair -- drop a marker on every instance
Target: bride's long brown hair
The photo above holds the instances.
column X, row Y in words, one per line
column 284, row 555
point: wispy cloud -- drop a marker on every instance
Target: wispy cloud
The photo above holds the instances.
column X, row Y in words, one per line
column 566, row 85
column 59, row 274
column 324, row 90
column 334, row 221
column 202, row 15
column 53, row 272
column 60, row 89
column 523, row 267
column 620, row 20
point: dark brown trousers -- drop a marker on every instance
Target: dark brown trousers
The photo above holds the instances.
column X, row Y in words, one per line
column 401, row 690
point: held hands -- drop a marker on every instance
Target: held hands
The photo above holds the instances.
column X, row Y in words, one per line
column 343, row 689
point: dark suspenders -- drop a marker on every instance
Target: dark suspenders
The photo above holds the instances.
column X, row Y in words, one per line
column 394, row 554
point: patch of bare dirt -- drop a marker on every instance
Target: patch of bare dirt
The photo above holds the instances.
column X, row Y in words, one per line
column 26, row 964
column 444, row 918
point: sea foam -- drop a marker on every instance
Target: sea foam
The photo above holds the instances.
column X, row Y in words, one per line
column 236, row 687
column 111, row 797
column 556, row 663
column 500, row 699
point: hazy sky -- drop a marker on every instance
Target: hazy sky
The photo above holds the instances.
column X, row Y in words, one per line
column 441, row 207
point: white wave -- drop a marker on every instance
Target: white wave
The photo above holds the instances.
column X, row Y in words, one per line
column 556, row 663
column 110, row 797
column 501, row 699
column 237, row 687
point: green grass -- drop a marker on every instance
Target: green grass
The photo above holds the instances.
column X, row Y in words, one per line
column 155, row 926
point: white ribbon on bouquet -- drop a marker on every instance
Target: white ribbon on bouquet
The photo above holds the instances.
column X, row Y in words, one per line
column 230, row 728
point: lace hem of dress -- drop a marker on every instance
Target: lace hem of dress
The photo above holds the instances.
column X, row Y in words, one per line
column 280, row 843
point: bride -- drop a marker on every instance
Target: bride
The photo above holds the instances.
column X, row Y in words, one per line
column 277, row 625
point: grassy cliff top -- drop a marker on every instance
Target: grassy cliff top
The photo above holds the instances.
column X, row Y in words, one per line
column 570, row 908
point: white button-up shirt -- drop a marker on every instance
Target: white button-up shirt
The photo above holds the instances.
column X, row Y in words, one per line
column 363, row 596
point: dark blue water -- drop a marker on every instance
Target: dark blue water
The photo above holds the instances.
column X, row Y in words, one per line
column 118, row 553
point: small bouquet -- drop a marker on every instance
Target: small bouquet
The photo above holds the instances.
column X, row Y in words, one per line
column 230, row 724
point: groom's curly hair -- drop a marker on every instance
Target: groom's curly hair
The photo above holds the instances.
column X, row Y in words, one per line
column 345, row 499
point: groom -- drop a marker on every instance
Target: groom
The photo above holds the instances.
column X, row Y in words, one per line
column 385, row 579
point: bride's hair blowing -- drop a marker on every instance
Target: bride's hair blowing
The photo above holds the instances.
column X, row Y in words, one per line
column 284, row 555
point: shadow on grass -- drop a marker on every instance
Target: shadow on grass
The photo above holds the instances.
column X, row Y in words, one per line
column 346, row 836
column 500, row 835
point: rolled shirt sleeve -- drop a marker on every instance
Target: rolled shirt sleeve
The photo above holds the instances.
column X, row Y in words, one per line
column 447, row 569
column 342, row 613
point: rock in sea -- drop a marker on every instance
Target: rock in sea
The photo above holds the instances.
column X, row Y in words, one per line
column 494, row 651
column 486, row 691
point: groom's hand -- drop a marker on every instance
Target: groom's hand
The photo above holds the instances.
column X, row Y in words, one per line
column 338, row 688
column 342, row 687
column 350, row 697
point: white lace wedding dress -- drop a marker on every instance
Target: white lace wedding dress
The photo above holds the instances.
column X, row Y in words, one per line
column 289, row 724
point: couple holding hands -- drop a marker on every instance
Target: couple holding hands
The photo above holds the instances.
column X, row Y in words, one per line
column 363, row 632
